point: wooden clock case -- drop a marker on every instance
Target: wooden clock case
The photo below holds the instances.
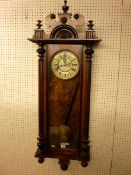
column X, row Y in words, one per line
column 64, row 103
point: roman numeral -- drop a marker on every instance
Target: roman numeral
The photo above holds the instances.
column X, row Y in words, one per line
column 73, row 69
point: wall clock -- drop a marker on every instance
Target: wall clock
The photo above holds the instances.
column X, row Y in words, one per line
column 64, row 87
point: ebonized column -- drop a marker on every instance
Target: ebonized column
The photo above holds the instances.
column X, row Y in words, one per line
column 42, row 140
column 85, row 106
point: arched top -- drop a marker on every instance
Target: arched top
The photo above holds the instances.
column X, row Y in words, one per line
column 64, row 31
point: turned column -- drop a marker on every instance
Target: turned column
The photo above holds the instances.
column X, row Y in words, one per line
column 41, row 151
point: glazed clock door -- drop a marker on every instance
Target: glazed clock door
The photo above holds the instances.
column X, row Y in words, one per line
column 64, row 81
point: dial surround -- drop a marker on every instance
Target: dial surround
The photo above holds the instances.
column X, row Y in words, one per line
column 65, row 64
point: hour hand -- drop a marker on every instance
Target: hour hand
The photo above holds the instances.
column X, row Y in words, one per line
column 64, row 59
column 56, row 67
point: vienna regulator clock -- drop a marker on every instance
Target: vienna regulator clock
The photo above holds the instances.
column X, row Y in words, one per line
column 64, row 87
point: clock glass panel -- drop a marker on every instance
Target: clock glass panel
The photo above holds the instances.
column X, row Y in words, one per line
column 64, row 100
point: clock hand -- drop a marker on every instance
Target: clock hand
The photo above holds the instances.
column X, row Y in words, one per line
column 64, row 58
column 63, row 65
column 65, row 55
column 69, row 64
column 57, row 67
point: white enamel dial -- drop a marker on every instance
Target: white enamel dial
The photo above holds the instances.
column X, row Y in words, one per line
column 65, row 64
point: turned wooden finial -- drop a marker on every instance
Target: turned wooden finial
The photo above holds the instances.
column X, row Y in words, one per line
column 39, row 24
column 39, row 32
column 65, row 1
column 65, row 8
column 90, row 32
column 90, row 25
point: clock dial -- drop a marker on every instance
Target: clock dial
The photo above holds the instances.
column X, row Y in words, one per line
column 65, row 64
